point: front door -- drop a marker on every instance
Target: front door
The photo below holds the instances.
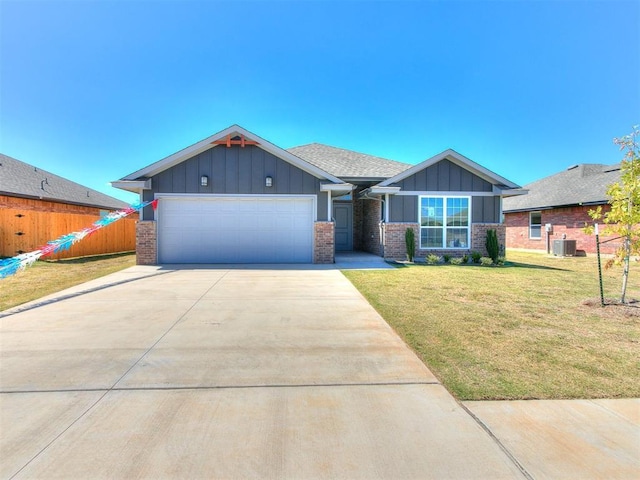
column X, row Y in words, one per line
column 343, row 214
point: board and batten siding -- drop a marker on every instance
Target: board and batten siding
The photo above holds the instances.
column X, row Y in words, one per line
column 236, row 171
column 444, row 177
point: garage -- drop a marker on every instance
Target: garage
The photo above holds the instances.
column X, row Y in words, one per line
column 235, row 229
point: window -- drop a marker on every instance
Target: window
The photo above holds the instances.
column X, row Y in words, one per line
column 444, row 222
column 535, row 225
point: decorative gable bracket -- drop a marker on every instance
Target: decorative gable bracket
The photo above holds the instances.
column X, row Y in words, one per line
column 228, row 141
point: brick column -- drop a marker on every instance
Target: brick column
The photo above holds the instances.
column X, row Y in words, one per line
column 146, row 243
column 371, row 241
column 479, row 236
column 323, row 245
column 393, row 241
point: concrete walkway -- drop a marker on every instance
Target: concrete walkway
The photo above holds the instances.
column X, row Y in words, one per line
column 266, row 372
column 360, row 261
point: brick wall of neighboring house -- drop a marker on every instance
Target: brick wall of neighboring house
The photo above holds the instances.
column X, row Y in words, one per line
column 45, row 206
column 479, row 236
column 567, row 221
column 146, row 243
column 370, row 228
column 323, row 248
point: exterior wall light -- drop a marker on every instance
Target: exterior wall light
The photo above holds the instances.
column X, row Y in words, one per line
column 204, row 181
column 268, row 182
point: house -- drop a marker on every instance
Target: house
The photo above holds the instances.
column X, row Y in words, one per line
column 37, row 206
column 236, row 198
column 557, row 207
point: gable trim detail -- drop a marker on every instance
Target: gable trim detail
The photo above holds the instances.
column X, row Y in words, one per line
column 447, row 193
column 457, row 159
column 224, row 137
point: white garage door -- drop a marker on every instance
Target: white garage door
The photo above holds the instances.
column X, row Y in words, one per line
column 235, row 230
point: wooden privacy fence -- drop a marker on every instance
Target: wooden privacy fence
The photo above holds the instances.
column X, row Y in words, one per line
column 25, row 230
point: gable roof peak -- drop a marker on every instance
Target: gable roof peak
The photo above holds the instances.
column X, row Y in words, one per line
column 217, row 139
column 459, row 159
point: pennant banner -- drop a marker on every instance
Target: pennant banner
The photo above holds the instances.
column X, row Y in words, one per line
column 12, row 265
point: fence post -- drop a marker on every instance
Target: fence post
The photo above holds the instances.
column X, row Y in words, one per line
column 599, row 267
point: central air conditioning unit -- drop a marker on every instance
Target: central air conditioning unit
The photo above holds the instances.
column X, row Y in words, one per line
column 564, row 248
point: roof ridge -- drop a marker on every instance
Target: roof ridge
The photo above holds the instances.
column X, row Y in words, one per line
column 349, row 151
column 582, row 184
column 22, row 187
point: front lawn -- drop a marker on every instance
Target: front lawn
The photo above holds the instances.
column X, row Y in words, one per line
column 531, row 329
column 46, row 277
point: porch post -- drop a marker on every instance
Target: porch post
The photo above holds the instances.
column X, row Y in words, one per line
column 386, row 208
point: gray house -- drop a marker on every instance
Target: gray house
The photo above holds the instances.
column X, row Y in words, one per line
column 237, row 198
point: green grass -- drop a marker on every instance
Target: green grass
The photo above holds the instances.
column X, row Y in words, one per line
column 47, row 277
column 531, row 329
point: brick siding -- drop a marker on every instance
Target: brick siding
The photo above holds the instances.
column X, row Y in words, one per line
column 394, row 245
column 370, row 232
column 568, row 221
column 146, row 243
column 358, row 220
column 479, row 237
column 396, row 249
column 323, row 247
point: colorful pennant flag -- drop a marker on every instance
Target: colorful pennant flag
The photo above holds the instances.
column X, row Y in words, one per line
column 10, row 266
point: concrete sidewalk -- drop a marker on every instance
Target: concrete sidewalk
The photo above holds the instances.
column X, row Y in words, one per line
column 567, row 438
column 265, row 372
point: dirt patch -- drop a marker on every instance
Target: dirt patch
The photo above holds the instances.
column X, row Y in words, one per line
column 614, row 308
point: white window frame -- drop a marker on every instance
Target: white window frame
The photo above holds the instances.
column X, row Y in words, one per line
column 444, row 223
column 533, row 225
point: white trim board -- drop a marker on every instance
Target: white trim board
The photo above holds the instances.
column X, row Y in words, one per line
column 440, row 193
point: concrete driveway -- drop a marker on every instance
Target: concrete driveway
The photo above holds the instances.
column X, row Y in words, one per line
column 225, row 373
column 250, row 373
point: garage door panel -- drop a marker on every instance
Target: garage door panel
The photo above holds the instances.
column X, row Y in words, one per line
column 235, row 230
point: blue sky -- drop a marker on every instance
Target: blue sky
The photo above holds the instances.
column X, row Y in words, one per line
column 93, row 91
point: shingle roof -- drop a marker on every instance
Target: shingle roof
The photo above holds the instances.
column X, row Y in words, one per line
column 578, row 185
column 20, row 179
column 347, row 164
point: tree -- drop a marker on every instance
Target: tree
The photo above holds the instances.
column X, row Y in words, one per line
column 623, row 219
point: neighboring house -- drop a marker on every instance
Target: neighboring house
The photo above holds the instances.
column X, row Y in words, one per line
column 560, row 203
column 37, row 206
column 237, row 198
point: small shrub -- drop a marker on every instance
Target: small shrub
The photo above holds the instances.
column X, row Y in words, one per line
column 410, row 242
column 476, row 256
column 446, row 257
column 432, row 259
column 465, row 258
column 457, row 261
column 486, row 261
column 493, row 247
column 500, row 261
